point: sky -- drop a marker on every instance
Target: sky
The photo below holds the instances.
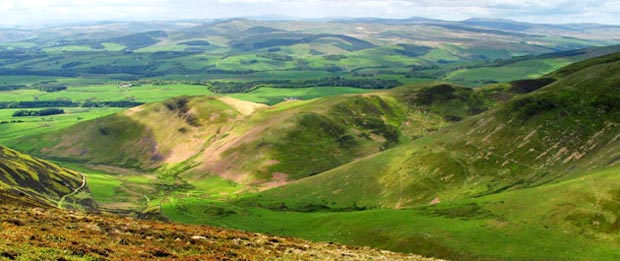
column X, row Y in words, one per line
column 25, row 13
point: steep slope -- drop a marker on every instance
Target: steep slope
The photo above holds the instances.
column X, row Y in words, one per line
column 144, row 137
column 224, row 136
column 252, row 144
column 564, row 130
column 35, row 181
column 533, row 178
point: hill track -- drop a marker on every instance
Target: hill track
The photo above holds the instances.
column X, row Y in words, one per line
column 75, row 191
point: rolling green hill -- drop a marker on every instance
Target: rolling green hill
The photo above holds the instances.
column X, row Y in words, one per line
column 251, row 143
column 201, row 51
column 562, row 131
column 532, row 178
column 523, row 168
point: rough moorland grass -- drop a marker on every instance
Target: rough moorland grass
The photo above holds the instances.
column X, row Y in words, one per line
column 36, row 179
column 552, row 134
column 539, row 223
column 36, row 233
column 518, row 182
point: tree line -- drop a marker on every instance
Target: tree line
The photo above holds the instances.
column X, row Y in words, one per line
column 232, row 87
column 43, row 112
column 66, row 103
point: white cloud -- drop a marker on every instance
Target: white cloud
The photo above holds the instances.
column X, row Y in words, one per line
column 24, row 12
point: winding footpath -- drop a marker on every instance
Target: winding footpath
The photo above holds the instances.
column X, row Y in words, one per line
column 75, row 191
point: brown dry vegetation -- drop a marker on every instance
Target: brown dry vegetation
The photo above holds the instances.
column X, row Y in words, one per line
column 30, row 231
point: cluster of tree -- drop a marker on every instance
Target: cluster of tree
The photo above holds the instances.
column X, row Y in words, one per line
column 43, row 112
column 52, row 88
column 334, row 57
column 196, row 43
column 332, row 68
column 167, row 55
column 231, row 87
column 139, row 40
column 28, row 71
column 220, row 71
column 276, row 56
column 20, row 54
column 70, row 65
column 116, row 104
column 67, row 103
column 38, row 104
column 12, row 87
column 12, row 121
column 94, row 44
column 412, row 50
column 120, row 69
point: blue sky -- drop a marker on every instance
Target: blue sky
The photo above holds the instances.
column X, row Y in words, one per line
column 38, row 12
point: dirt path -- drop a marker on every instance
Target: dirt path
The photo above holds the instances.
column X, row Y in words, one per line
column 136, row 193
column 75, row 191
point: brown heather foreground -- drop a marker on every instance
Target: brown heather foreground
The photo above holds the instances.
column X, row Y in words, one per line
column 39, row 233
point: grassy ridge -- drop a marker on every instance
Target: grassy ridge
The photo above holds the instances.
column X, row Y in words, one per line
column 541, row 137
column 135, row 138
column 249, row 143
column 39, row 180
column 13, row 128
column 534, row 177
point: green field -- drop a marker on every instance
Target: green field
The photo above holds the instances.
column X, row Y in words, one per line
column 509, row 226
column 143, row 93
column 517, row 71
column 272, row 96
column 118, row 189
column 38, row 125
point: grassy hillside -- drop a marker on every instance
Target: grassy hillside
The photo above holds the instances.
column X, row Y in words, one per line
column 39, row 181
column 518, row 170
column 139, row 138
column 561, row 131
column 571, row 220
column 251, row 143
column 532, row 178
